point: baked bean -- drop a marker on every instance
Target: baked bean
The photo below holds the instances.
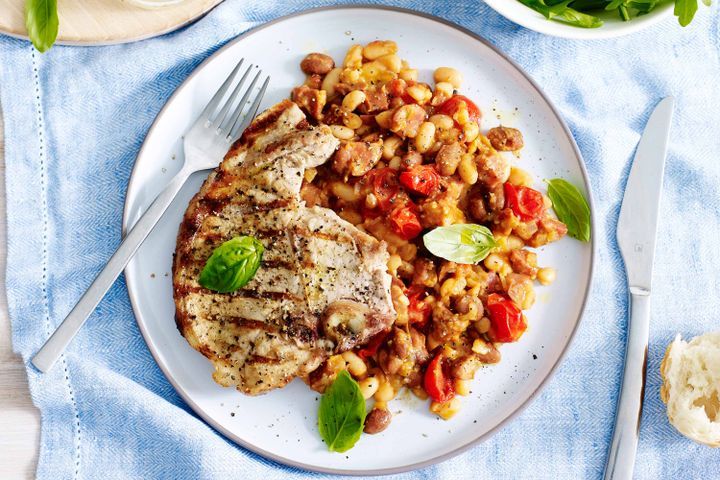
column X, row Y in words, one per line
column 467, row 169
column 356, row 365
column 420, row 93
column 425, row 137
column 546, row 275
column 342, row 132
column 352, row 120
column 392, row 62
column 390, row 146
column 446, row 410
column 449, row 75
column 353, row 57
column 385, row 392
column 330, row 81
column 409, row 74
column 518, row 176
column 353, row 100
column 317, row 63
column 379, row 48
column 407, row 119
column 368, row 387
column 377, row 420
column 384, row 119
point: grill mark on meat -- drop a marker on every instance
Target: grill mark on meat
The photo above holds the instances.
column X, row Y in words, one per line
column 267, row 295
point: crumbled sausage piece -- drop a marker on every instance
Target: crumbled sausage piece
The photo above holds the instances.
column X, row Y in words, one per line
column 356, row 158
column 549, row 230
column 425, row 273
column 309, row 99
column 493, row 169
column 448, row 158
column 318, row 63
column 407, row 119
column 476, row 207
column 377, row 420
column 524, row 261
column 375, row 101
column 411, row 158
column 470, row 303
column 446, row 326
column 314, row 81
column 520, row 290
column 343, row 88
column 505, row 139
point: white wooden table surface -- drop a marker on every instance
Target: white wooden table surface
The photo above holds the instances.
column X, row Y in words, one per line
column 19, row 419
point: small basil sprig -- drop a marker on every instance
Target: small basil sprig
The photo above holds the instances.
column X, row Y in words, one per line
column 571, row 208
column 41, row 21
column 232, row 265
column 460, row 243
column 341, row 415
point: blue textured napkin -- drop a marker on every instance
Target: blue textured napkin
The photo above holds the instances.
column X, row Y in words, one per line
column 75, row 118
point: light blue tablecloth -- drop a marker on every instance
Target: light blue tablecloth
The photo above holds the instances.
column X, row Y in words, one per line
column 74, row 121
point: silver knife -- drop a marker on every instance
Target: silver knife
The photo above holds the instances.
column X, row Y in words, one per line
column 636, row 231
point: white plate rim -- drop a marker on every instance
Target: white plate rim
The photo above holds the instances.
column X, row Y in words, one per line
column 133, row 292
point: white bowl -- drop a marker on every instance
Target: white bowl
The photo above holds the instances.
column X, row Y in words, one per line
column 613, row 27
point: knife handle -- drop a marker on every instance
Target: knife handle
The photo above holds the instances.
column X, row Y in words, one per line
column 621, row 459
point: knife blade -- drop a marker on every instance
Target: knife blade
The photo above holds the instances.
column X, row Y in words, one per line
column 637, row 225
column 636, row 232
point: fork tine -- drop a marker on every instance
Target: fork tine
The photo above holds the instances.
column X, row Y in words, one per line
column 237, row 129
column 222, row 114
column 230, row 121
column 215, row 100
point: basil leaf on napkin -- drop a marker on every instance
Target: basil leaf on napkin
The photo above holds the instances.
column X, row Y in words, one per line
column 571, row 208
column 41, row 21
column 232, row 265
column 341, row 415
column 460, row 243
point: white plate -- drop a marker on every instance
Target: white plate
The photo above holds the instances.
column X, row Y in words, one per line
column 282, row 424
column 613, row 27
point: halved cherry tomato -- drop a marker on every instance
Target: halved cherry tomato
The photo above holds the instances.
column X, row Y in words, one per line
column 405, row 222
column 418, row 310
column 421, row 179
column 507, row 323
column 373, row 344
column 437, row 385
column 385, row 186
column 453, row 103
column 526, row 203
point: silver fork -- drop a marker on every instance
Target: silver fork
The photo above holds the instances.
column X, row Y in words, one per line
column 207, row 141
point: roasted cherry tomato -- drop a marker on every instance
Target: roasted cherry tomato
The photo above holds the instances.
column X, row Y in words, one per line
column 405, row 222
column 436, row 383
column 421, row 179
column 453, row 103
column 507, row 323
column 373, row 344
column 526, row 203
column 385, row 186
column 418, row 310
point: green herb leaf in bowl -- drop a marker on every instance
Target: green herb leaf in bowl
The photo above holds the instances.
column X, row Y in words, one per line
column 341, row 416
column 232, row 265
column 41, row 21
column 561, row 11
column 571, row 207
column 461, row 243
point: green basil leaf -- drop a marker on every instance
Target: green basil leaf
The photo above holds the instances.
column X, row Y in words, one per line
column 232, row 265
column 685, row 11
column 460, row 243
column 562, row 12
column 41, row 21
column 341, row 415
column 571, row 207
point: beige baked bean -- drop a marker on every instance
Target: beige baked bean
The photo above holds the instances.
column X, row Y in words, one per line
column 425, row 137
column 371, row 201
column 392, row 62
column 356, row 365
column 309, row 175
column 344, row 192
column 494, row 263
column 462, row 387
column 379, row 48
column 394, row 263
column 384, row 119
column 342, row 132
column 514, row 242
column 390, row 146
column 547, row 202
column 408, row 74
column 449, row 75
column 352, row 120
column 385, row 392
column 353, row 100
column 546, row 275
column 471, row 130
column 330, row 80
column 317, row 63
column 442, row 122
column 395, row 163
column 420, row 93
column 353, row 57
column 482, row 326
column 368, row 387
column 446, row 410
column 467, row 169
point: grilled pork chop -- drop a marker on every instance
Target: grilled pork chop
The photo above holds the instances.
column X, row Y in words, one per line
column 322, row 287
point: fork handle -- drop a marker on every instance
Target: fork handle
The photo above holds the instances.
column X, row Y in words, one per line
column 621, row 460
column 56, row 344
